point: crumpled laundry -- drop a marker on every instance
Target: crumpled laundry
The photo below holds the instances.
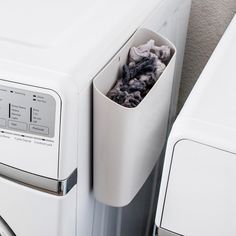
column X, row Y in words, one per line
column 138, row 53
column 145, row 65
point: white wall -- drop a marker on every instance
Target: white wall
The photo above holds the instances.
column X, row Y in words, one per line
column 208, row 21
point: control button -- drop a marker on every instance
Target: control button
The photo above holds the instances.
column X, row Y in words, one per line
column 39, row 129
column 2, row 122
column 17, row 125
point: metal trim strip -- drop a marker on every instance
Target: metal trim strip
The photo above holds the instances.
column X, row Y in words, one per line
column 41, row 183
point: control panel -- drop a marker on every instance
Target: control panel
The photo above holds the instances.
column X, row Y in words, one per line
column 27, row 111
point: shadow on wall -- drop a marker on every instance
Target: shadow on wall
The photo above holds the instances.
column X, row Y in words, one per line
column 208, row 21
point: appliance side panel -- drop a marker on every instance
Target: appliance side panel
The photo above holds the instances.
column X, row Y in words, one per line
column 171, row 20
column 175, row 29
column 85, row 198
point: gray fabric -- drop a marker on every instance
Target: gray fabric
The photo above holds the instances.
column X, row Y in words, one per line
column 136, row 54
column 145, row 64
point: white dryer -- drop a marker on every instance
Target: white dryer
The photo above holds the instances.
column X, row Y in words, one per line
column 49, row 53
column 197, row 195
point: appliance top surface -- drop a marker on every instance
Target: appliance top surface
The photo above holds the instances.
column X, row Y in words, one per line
column 210, row 111
column 68, row 35
column 39, row 23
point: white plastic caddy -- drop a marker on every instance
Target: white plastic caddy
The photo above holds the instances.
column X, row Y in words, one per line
column 128, row 141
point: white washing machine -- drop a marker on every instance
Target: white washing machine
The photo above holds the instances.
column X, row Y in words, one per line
column 197, row 195
column 49, row 53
